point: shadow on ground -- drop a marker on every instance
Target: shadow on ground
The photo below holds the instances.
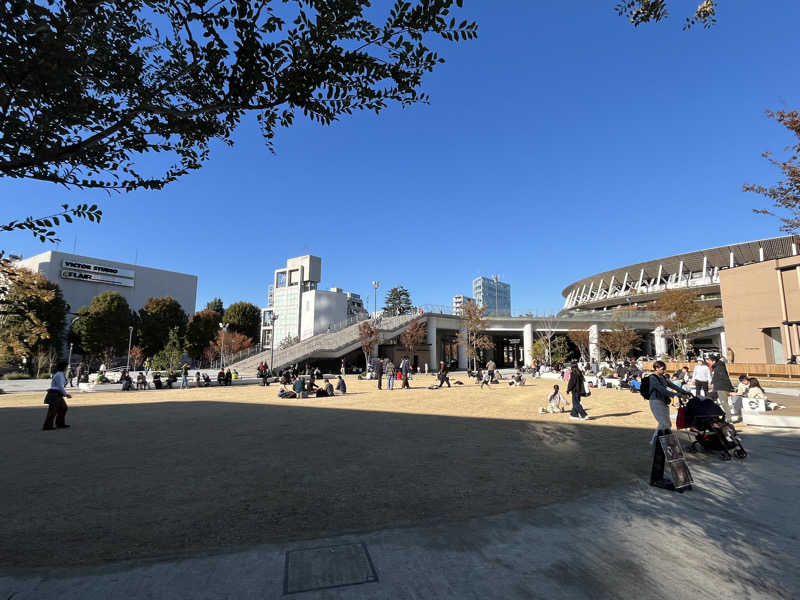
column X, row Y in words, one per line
column 137, row 481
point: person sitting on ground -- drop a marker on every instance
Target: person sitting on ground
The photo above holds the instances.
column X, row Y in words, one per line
column 141, row 381
column 517, row 379
column 157, row 380
column 322, row 391
column 341, row 386
column 235, row 374
column 635, row 384
column 311, row 387
column 228, row 377
column 221, row 377
column 329, row 387
column 285, row 393
column 443, row 378
column 126, row 381
column 206, row 380
column 555, row 402
column 198, row 379
column 485, row 379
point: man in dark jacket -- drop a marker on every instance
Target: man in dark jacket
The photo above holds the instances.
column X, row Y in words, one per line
column 443, row 378
column 721, row 384
column 379, row 373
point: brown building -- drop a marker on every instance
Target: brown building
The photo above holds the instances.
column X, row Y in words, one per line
column 761, row 306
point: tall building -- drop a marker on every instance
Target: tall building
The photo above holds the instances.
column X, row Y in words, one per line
column 493, row 294
column 303, row 310
column 458, row 304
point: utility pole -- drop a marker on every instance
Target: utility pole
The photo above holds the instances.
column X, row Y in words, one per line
column 273, row 317
column 130, row 337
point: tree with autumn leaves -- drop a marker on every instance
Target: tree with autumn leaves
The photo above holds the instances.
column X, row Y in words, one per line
column 32, row 316
column 619, row 340
column 473, row 320
column 680, row 313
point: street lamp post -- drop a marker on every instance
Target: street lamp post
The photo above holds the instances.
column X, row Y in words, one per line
column 375, row 284
column 224, row 328
column 273, row 317
column 69, row 359
column 130, row 337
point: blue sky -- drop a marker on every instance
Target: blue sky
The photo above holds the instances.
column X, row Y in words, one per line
column 562, row 142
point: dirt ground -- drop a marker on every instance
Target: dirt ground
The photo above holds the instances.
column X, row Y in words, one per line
column 149, row 474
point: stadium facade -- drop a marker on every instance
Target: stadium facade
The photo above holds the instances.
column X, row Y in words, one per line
column 761, row 312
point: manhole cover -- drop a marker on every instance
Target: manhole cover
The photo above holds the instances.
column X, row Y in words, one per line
column 311, row 569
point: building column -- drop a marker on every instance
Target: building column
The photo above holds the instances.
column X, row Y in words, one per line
column 594, row 335
column 527, row 343
column 433, row 361
column 463, row 355
column 661, row 341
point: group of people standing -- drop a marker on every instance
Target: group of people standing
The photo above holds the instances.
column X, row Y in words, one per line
column 388, row 368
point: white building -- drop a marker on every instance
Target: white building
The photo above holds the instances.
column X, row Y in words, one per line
column 458, row 304
column 302, row 310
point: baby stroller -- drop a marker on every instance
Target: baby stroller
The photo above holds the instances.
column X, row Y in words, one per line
column 705, row 423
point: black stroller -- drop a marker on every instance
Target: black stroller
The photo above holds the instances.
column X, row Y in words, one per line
column 705, row 422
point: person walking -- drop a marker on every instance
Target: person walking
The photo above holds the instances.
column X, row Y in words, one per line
column 379, row 373
column 701, row 376
column 721, row 384
column 404, row 368
column 185, row 377
column 70, row 376
column 491, row 366
column 576, row 388
column 661, row 390
column 390, row 374
column 79, row 373
column 54, row 398
column 443, row 378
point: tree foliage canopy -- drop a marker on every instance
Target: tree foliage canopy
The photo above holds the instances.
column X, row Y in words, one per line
column 619, row 340
column 157, row 318
column 200, row 332
column 639, row 12
column 89, row 88
column 785, row 195
column 398, row 301
column 32, row 314
column 215, row 304
column 103, row 325
column 245, row 318
column 680, row 313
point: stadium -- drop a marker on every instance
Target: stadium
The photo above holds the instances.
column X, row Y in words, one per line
column 764, row 330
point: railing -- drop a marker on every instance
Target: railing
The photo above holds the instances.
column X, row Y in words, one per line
column 333, row 341
column 352, row 320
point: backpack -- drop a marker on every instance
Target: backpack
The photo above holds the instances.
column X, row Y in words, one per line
column 644, row 390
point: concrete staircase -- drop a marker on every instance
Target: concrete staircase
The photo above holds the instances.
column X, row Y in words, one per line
column 326, row 345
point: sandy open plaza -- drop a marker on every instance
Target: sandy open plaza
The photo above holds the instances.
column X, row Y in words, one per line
column 186, row 474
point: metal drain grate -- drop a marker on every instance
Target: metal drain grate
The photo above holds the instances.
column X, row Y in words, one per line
column 309, row 569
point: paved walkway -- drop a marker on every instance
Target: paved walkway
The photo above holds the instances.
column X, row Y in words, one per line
column 737, row 534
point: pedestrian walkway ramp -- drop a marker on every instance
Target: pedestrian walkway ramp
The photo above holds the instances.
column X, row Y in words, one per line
column 326, row 345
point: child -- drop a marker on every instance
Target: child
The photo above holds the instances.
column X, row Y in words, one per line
column 555, row 402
